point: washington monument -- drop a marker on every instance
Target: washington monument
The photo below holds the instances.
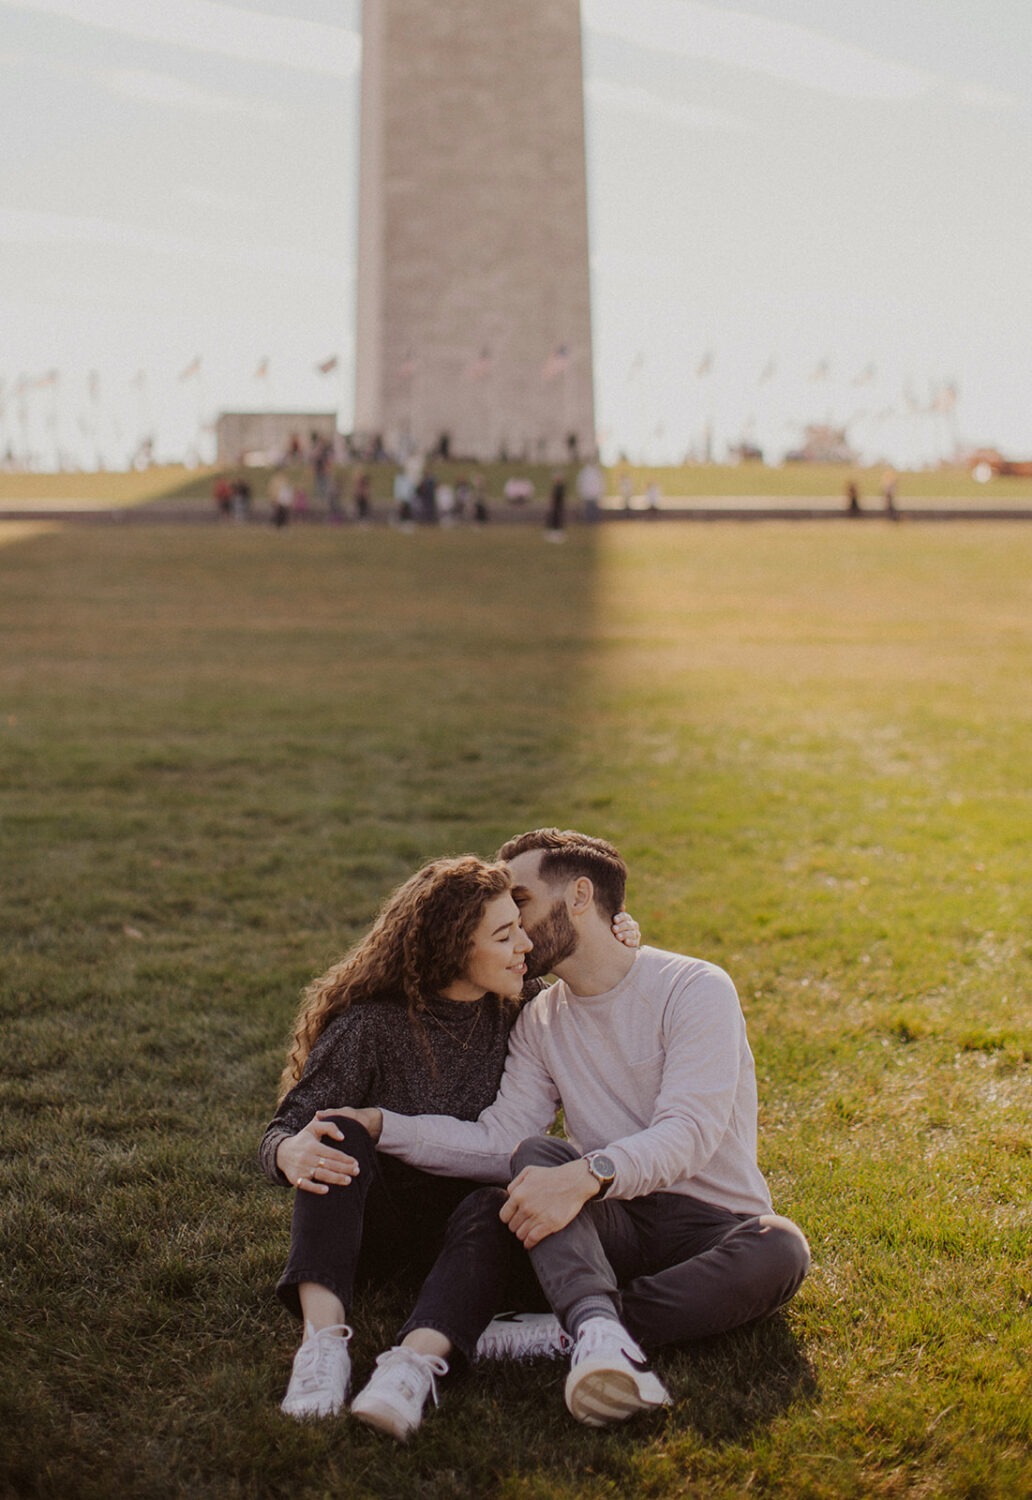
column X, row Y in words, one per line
column 473, row 314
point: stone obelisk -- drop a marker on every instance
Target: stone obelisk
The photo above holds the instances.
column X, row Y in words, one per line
column 473, row 315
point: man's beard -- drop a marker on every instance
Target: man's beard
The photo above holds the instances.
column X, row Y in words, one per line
column 554, row 939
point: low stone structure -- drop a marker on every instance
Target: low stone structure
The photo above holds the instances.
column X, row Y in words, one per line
column 262, row 437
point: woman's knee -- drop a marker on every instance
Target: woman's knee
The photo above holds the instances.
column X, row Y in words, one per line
column 541, row 1151
column 357, row 1141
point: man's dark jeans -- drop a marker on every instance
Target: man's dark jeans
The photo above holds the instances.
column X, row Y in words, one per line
column 674, row 1267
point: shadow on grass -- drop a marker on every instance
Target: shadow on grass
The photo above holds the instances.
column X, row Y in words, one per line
column 733, row 1387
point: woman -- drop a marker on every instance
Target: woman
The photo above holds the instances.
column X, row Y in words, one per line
column 449, row 950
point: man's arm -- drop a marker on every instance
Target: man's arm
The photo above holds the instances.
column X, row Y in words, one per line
column 692, row 1114
column 480, row 1149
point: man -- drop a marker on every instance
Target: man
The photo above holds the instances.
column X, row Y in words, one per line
column 651, row 1223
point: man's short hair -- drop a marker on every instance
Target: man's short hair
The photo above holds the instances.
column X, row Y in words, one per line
column 566, row 854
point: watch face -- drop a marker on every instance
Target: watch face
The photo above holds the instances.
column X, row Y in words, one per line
column 602, row 1167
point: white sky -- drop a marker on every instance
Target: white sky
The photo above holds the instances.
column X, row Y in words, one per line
column 776, row 185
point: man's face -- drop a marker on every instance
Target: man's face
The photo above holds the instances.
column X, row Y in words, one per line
column 546, row 920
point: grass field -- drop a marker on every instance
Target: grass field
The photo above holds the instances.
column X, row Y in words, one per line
column 220, row 748
column 181, row 488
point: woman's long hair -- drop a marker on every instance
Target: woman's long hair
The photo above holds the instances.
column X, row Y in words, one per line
column 419, row 944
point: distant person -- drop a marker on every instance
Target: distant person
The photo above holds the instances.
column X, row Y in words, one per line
column 480, row 510
column 404, row 491
column 281, row 498
column 652, row 498
column 222, row 494
column 888, row 490
column 626, row 488
column 241, row 500
column 446, row 503
column 361, row 496
column 463, row 498
column 332, row 490
column 852, row 499
column 555, row 514
column 426, row 494
column 322, row 465
column 590, row 489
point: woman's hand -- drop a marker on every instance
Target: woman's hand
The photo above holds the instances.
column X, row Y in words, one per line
column 311, row 1166
column 626, row 929
column 370, row 1119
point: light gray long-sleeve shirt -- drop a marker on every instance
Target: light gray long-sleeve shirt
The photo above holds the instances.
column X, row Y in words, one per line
column 656, row 1072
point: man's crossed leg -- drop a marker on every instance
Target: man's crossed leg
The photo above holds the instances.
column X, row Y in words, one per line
column 654, row 1270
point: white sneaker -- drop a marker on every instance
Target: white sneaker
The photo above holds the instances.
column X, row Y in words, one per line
column 394, row 1398
column 319, row 1380
column 609, row 1380
column 515, row 1335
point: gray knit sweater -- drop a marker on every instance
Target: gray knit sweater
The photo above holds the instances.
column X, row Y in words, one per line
column 372, row 1054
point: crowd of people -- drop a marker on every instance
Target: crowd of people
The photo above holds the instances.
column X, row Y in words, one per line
column 425, row 1073
column 317, row 480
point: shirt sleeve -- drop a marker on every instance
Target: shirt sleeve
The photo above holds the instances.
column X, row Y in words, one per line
column 338, row 1070
column 703, row 1034
column 480, row 1149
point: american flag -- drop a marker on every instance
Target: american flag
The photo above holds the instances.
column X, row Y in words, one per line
column 192, row 369
column 327, row 366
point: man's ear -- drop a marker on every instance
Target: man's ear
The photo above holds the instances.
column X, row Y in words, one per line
column 581, row 896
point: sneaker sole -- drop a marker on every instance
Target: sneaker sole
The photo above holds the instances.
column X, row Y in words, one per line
column 602, row 1395
column 383, row 1418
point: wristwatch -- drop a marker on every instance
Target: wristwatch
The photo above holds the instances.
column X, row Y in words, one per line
column 603, row 1169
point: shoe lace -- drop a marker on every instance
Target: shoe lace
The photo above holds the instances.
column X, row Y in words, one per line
column 601, row 1335
column 314, row 1359
column 412, row 1371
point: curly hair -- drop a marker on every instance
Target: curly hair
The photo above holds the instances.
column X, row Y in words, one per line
column 419, row 944
column 565, row 854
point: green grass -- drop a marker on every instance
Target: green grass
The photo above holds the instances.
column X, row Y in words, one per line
column 130, row 487
column 220, row 748
column 179, row 488
column 784, row 483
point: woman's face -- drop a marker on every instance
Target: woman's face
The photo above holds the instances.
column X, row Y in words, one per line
column 496, row 961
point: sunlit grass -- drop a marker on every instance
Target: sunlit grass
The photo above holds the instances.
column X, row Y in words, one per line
column 107, row 488
column 221, row 747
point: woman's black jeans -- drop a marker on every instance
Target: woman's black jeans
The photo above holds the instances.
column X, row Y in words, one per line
column 395, row 1225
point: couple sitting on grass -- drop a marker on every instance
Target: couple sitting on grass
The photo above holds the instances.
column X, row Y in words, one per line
column 425, row 1070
